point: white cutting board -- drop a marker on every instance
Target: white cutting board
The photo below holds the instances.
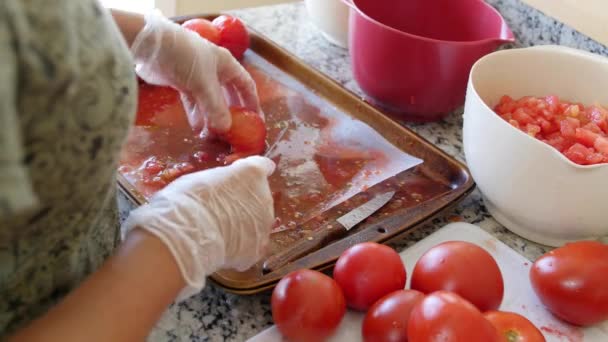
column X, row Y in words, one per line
column 519, row 296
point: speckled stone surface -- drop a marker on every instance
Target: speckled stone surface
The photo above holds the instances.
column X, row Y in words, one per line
column 214, row 315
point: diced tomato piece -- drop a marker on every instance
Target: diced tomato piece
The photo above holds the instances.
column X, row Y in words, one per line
column 547, row 126
column 507, row 116
column 572, row 111
column 599, row 116
column 592, row 127
column 595, row 158
column 522, row 115
column 552, row 100
column 532, row 129
column 586, row 137
column 601, row 145
column 505, row 105
column 515, row 124
column 506, row 99
column 578, row 154
column 568, row 127
column 559, row 142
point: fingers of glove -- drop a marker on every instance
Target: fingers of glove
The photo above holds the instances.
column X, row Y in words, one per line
column 263, row 166
column 254, row 170
column 196, row 116
column 232, row 94
column 207, row 106
column 247, row 99
column 233, row 75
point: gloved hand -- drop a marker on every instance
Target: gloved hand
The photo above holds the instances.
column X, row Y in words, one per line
column 213, row 219
column 167, row 54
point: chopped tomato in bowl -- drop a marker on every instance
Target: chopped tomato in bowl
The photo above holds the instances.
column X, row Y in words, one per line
column 579, row 132
column 539, row 155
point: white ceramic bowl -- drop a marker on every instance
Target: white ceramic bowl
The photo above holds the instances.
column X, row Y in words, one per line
column 331, row 17
column 527, row 185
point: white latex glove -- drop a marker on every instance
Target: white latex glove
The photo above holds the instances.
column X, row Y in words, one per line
column 167, row 54
column 213, row 219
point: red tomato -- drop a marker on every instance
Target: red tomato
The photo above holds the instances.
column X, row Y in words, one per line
column 579, row 132
column 307, row 306
column 368, row 271
column 514, row 327
column 386, row 320
column 247, row 134
column 571, row 282
column 463, row 268
column 233, row 35
column 204, row 28
column 447, row 317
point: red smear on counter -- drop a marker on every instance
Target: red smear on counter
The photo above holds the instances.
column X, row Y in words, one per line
column 567, row 334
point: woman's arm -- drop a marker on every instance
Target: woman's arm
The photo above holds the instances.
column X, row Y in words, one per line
column 130, row 24
column 122, row 301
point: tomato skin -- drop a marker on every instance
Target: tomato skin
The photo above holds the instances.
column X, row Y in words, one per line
column 233, row 35
column 463, row 268
column 204, row 28
column 514, row 327
column 368, row 271
column 387, row 319
column 571, row 282
column 307, row 306
column 447, row 317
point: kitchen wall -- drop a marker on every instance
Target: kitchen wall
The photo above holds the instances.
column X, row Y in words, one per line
column 202, row 6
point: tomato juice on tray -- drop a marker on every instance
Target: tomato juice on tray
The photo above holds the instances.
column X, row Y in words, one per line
column 323, row 156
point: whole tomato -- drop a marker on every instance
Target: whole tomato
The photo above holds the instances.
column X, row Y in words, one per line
column 368, row 271
column 307, row 306
column 463, row 268
column 386, row 320
column 204, row 28
column 571, row 281
column 514, row 327
column 247, row 134
column 447, row 317
column 233, row 35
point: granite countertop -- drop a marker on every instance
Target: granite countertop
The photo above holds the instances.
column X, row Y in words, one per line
column 215, row 315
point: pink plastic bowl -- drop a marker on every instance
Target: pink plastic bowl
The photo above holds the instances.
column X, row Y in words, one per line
column 414, row 56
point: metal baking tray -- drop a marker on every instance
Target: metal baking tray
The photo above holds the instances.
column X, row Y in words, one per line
column 446, row 180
